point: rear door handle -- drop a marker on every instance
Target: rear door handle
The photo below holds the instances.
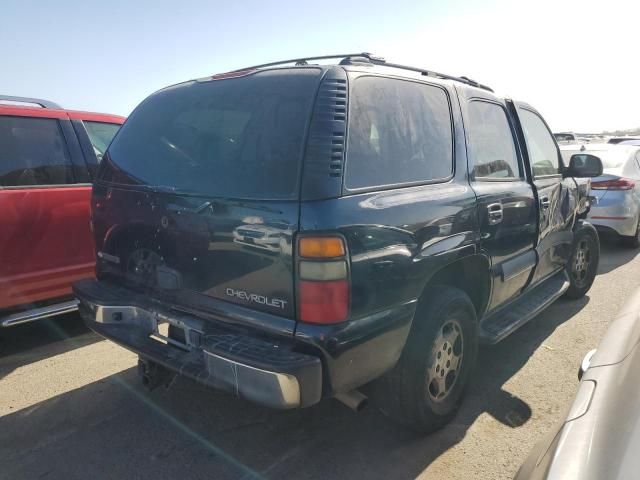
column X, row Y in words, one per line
column 383, row 264
column 544, row 203
column 494, row 211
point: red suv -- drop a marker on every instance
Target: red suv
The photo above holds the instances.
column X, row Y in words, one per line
column 48, row 159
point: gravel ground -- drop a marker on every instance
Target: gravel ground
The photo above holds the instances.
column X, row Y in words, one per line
column 71, row 407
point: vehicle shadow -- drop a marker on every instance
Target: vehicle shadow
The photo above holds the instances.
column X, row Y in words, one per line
column 31, row 342
column 614, row 255
column 116, row 429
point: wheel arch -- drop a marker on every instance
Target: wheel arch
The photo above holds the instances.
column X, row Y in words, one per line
column 471, row 274
column 584, row 225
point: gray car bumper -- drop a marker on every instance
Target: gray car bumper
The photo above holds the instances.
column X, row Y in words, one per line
column 617, row 211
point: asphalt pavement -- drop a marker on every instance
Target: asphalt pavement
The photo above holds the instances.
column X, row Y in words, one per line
column 71, row 407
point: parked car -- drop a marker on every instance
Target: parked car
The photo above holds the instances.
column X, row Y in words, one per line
column 417, row 214
column 616, row 140
column 566, row 138
column 600, row 436
column 48, row 158
column 258, row 235
column 630, row 142
column 615, row 205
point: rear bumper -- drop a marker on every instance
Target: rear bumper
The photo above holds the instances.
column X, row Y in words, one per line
column 267, row 372
column 616, row 211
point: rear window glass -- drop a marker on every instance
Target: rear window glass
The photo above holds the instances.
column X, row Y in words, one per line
column 611, row 158
column 239, row 138
column 399, row 132
column 33, row 151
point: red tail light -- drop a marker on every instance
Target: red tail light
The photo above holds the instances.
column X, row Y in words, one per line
column 323, row 287
column 617, row 184
column 323, row 302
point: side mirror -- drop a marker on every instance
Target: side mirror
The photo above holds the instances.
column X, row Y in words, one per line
column 584, row 165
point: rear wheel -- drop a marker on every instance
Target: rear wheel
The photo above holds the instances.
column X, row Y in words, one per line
column 583, row 263
column 424, row 390
column 632, row 241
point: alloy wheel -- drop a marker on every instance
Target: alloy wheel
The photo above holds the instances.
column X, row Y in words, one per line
column 445, row 361
column 581, row 262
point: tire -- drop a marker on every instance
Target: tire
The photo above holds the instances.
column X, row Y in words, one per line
column 444, row 329
column 632, row 241
column 583, row 263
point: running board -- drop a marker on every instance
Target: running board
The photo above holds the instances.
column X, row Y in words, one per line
column 512, row 316
column 39, row 313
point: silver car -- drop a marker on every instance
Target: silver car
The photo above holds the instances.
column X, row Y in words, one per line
column 600, row 436
column 615, row 203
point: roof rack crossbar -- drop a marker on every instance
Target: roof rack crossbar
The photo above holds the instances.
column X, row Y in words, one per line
column 37, row 101
column 376, row 61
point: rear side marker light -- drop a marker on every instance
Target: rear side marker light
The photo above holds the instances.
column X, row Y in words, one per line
column 323, row 286
column 109, row 258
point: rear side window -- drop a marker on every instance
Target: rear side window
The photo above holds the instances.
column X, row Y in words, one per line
column 239, row 138
column 100, row 134
column 399, row 132
column 543, row 153
column 492, row 147
column 33, row 151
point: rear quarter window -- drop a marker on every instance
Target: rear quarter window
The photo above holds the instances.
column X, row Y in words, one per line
column 400, row 132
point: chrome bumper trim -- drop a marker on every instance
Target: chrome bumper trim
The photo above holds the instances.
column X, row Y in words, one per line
column 273, row 389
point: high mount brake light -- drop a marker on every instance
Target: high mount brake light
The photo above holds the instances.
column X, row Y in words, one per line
column 239, row 73
column 323, row 283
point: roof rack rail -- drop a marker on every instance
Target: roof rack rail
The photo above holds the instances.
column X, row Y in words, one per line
column 376, row 60
column 36, row 101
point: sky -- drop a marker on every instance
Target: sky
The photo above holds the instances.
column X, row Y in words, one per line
column 575, row 61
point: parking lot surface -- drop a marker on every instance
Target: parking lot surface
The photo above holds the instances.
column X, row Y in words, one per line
column 71, row 407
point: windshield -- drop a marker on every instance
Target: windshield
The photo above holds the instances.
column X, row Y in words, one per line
column 240, row 138
column 611, row 158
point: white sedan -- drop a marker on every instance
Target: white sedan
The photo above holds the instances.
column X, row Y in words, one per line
column 616, row 194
